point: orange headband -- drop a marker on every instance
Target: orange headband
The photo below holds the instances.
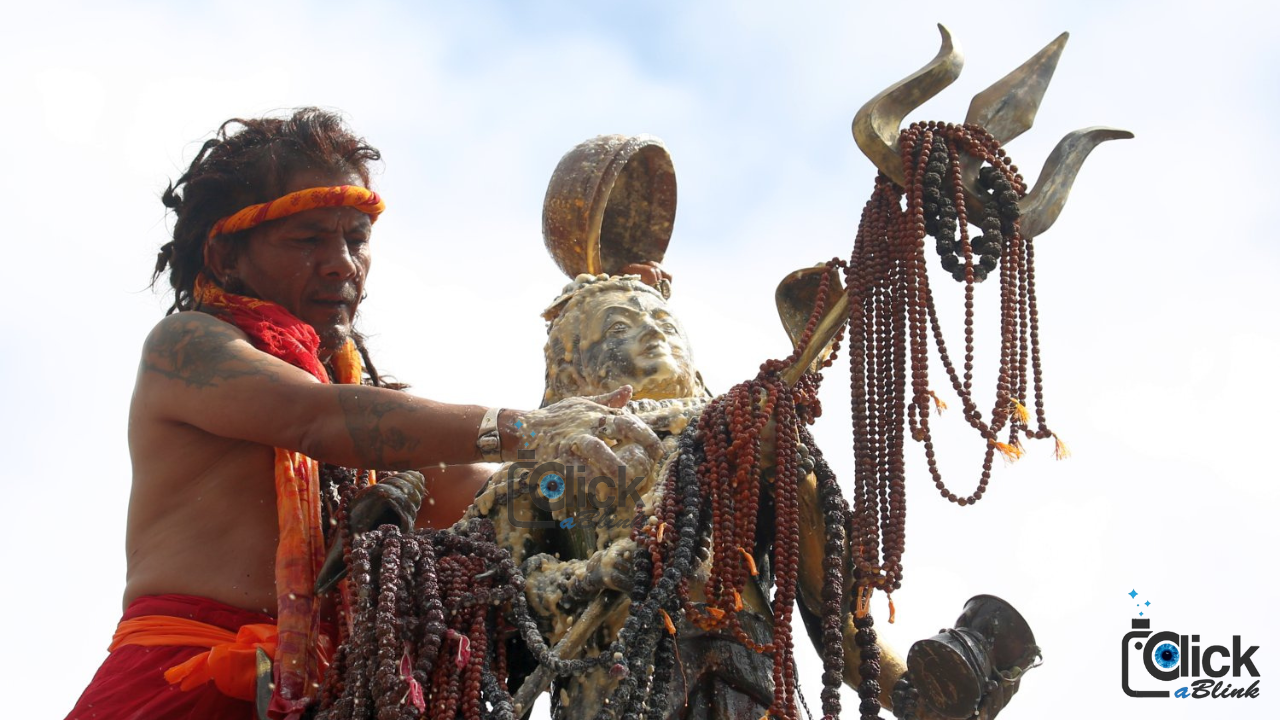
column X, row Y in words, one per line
column 362, row 199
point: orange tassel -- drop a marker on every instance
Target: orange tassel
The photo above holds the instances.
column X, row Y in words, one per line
column 666, row 620
column 1010, row 452
column 892, row 612
column 751, row 562
column 1021, row 411
column 715, row 613
column 937, row 402
column 737, row 601
column 661, row 527
column 1060, row 449
column 864, row 602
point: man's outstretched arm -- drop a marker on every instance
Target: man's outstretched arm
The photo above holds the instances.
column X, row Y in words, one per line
column 203, row 372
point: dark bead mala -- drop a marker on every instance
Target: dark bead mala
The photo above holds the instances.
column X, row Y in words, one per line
column 429, row 624
column 656, row 591
column 835, row 513
column 709, row 509
column 869, row 670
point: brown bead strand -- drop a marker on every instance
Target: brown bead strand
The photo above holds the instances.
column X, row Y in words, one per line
column 406, row 655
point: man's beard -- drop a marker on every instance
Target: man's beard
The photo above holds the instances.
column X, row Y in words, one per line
column 235, row 286
column 334, row 336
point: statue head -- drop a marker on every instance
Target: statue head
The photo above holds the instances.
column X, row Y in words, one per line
column 606, row 332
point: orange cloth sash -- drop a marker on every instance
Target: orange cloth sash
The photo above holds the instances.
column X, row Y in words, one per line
column 362, row 199
column 231, row 663
column 300, row 552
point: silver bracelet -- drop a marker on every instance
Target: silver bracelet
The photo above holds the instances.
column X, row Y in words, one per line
column 488, row 440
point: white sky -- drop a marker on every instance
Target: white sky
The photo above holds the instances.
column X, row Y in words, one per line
column 1160, row 332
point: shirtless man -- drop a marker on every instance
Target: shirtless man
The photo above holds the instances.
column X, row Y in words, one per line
column 232, row 392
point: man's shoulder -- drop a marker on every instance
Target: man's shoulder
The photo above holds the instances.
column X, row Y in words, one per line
column 188, row 326
column 183, row 343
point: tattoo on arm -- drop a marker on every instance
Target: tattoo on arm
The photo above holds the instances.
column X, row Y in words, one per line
column 378, row 443
column 197, row 350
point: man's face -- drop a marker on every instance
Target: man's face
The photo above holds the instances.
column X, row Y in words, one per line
column 314, row 263
column 629, row 338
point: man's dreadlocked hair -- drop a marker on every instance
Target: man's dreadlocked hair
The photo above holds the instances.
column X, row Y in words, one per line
column 245, row 163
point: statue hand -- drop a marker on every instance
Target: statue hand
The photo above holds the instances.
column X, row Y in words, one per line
column 995, row 647
column 673, row 416
column 593, row 432
column 612, row 567
column 608, row 569
column 907, row 704
column 566, row 585
column 651, row 273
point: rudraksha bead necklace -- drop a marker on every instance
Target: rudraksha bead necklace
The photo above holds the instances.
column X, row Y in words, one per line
column 429, row 628
column 892, row 321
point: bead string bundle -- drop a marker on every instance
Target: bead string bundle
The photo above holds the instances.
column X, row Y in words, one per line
column 711, row 498
column 430, row 613
column 892, row 319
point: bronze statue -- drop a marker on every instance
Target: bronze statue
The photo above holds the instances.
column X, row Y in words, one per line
column 577, row 586
column 697, row 623
column 605, row 331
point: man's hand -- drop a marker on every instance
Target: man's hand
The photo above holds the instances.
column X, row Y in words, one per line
column 595, row 432
column 394, row 500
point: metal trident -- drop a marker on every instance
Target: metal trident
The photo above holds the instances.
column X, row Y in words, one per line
column 1006, row 110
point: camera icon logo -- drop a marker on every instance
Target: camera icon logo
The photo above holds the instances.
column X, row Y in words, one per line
column 1195, row 670
column 1159, row 655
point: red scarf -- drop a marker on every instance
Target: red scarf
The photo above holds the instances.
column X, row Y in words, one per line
column 277, row 332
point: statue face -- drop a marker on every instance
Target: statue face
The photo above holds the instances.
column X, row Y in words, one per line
column 630, row 338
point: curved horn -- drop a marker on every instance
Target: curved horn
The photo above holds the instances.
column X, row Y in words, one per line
column 1008, row 107
column 1040, row 208
column 878, row 123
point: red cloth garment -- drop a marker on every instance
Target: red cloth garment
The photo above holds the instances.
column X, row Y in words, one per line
column 130, row 685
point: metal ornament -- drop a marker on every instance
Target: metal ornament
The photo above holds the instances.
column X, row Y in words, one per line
column 611, row 203
column 983, row 657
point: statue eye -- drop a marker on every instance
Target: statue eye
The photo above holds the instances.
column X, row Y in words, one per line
column 670, row 328
column 619, row 328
